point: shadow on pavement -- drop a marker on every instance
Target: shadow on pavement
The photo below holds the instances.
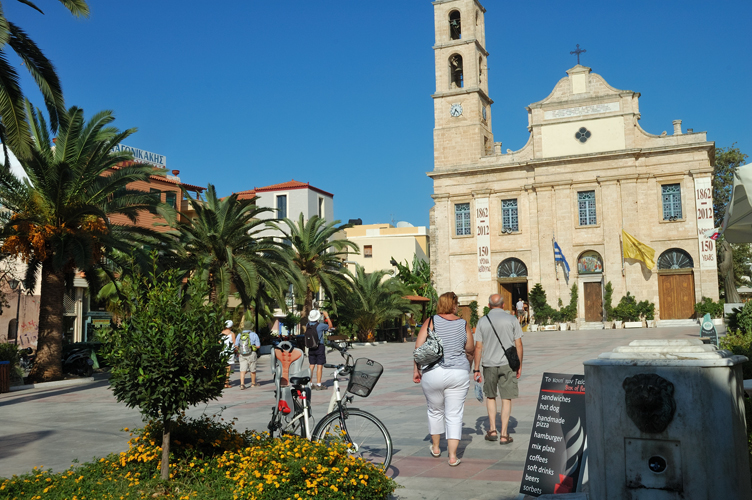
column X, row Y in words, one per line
column 481, row 425
column 41, row 393
column 13, row 444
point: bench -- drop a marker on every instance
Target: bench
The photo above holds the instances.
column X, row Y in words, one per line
column 339, row 340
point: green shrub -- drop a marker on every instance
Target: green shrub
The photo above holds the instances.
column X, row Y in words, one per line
column 741, row 318
column 708, row 306
column 542, row 312
column 569, row 313
column 608, row 295
column 739, row 343
column 473, row 313
column 628, row 309
column 486, row 310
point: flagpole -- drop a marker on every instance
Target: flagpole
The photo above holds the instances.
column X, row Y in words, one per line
column 553, row 247
column 621, row 243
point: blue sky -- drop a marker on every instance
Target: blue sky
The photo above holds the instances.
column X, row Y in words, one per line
column 338, row 93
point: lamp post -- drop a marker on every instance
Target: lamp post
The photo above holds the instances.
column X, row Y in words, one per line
column 13, row 285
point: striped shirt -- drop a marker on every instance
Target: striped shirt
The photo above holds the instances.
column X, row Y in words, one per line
column 453, row 338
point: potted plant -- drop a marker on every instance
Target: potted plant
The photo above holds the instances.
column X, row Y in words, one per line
column 647, row 311
column 628, row 311
column 543, row 312
column 569, row 313
column 607, row 304
column 473, row 315
column 708, row 306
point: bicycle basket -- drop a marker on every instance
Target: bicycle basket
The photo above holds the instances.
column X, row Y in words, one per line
column 365, row 373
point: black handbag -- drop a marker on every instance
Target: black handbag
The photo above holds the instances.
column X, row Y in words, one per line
column 511, row 353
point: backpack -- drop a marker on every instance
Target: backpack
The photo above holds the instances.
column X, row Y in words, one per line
column 244, row 347
column 312, row 336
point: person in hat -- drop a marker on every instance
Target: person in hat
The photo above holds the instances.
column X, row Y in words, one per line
column 317, row 357
column 229, row 341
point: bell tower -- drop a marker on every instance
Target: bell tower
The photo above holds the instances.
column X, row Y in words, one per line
column 462, row 108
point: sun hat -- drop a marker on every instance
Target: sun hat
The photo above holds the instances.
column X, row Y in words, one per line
column 314, row 316
column 229, row 323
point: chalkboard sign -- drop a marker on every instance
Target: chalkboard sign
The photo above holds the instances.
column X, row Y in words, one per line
column 554, row 462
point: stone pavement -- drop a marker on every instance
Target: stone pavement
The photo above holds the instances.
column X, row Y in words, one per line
column 55, row 426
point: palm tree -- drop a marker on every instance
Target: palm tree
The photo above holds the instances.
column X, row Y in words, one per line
column 14, row 128
column 319, row 257
column 58, row 220
column 373, row 301
column 223, row 244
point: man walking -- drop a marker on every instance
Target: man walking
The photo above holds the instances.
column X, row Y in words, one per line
column 317, row 356
column 496, row 332
column 247, row 345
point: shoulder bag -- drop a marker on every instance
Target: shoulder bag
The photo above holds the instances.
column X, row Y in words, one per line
column 511, row 353
column 431, row 351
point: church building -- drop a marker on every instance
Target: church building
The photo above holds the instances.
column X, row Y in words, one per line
column 587, row 172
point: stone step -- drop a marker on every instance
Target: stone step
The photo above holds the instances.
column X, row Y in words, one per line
column 595, row 325
column 673, row 323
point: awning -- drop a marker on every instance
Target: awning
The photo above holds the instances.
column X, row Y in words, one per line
column 737, row 223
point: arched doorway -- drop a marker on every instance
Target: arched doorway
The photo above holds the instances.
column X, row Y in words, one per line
column 512, row 277
column 590, row 273
column 676, row 284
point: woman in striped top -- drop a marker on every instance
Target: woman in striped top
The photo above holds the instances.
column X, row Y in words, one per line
column 445, row 384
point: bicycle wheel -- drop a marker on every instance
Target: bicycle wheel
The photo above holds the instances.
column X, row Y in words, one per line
column 363, row 434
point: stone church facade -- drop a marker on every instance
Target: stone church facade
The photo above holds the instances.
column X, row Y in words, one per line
column 587, row 172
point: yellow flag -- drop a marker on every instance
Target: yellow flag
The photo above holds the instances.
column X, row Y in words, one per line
column 635, row 249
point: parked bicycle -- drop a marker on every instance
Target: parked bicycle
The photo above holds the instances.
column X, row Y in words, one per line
column 363, row 434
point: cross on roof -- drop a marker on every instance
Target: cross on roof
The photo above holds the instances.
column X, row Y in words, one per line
column 578, row 52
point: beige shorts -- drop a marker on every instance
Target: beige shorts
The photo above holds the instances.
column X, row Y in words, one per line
column 248, row 362
column 501, row 378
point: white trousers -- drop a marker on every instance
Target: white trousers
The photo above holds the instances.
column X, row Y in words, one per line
column 445, row 391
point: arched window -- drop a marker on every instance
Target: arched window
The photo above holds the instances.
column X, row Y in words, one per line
column 455, row 72
column 480, row 69
column 589, row 262
column 12, row 329
column 455, row 26
column 511, row 268
column 675, row 258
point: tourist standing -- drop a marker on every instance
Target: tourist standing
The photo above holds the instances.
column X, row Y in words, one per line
column 229, row 341
column 497, row 331
column 317, row 356
column 247, row 344
column 445, row 384
column 520, row 310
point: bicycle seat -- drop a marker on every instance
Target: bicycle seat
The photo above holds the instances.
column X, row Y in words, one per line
column 299, row 380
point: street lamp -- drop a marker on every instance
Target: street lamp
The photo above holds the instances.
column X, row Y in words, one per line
column 13, row 285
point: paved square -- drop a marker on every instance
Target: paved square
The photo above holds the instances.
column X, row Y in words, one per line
column 54, row 426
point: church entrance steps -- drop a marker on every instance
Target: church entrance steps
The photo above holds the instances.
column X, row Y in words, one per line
column 671, row 323
column 591, row 325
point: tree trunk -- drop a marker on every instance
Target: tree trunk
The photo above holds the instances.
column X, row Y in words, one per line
column 49, row 365
column 307, row 306
column 165, row 465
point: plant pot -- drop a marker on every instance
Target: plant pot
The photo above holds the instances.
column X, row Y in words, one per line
column 718, row 321
column 651, row 323
column 617, row 324
column 633, row 324
column 573, row 326
column 563, row 326
column 549, row 328
column 533, row 328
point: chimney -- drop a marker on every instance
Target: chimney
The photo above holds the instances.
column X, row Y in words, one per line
column 677, row 127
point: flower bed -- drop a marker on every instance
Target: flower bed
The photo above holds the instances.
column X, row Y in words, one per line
column 211, row 459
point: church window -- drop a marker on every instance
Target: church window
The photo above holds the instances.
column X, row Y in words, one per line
column 511, row 268
column 672, row 208
column 509, row 216
column 462, row 219
column 582, row 135
column 480, row 69
column 455, row 72
column 675, row 258
column 455, row 26
column 586, row 201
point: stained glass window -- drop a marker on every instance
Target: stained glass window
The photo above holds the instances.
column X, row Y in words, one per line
column 462, row 219
column 675, row 258
column 509, row 216
column 672, row 208
column 511, row 268
column 586, row 201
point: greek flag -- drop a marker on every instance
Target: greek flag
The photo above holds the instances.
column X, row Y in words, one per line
column 559, row 257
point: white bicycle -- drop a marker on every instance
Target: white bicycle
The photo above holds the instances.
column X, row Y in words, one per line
column 364, row 434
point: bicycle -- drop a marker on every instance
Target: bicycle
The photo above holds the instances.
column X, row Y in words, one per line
column 364, row 435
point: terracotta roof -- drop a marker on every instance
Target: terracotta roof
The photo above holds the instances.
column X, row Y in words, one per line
column 416, row 298
column 284, row 186
column 162, row 178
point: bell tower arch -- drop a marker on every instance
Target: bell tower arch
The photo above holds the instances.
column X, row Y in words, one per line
column 462, row 108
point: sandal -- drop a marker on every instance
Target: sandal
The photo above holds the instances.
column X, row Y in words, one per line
column 492, row 435
column 508, row 438
column 242, row 387
column 227, row 386
column 434, row 455
column 455, row 464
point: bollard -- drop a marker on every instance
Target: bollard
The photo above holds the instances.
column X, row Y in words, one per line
column 4, row 376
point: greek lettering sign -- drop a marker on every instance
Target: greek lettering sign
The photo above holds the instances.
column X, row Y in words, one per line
column 554, row 462
column 483, row 239
column 142, row 156
column 704, row 203
column 707, row 329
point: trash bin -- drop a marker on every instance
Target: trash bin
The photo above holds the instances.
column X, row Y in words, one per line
column 4, row 376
